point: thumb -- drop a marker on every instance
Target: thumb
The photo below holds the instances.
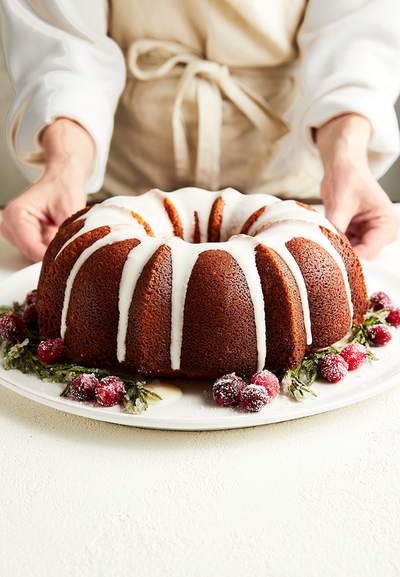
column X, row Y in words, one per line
column 338, row 216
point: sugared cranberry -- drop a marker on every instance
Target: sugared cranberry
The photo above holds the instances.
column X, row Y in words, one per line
column 333, row 368
column 379, row 300
column 52, row 351
column 253, row 398
column 379, row 335
column 12, row 328
column 227, row 389
column 355, row 355
column 393, row 317
column 31, row 297
column 110, row 391
column 268, row 380
column 30, row 317
column 84, row 386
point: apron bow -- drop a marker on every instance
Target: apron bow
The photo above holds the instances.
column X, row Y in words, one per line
column 211, row 81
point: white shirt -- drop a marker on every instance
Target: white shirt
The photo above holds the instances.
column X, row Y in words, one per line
column 62, row 63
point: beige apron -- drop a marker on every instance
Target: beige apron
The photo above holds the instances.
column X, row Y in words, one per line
column 210, row 84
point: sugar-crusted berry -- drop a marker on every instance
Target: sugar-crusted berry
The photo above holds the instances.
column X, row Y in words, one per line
column 31, row 297
column 253, row 398
column 84, row 387
column 379, row 300
column 30, row 317
column 12, row 328
column 52, row 351
column 355, row 355
column 393, row 317
column 268, row 380
column 110, row 391
column 227, row 389
column 379, row 335
column 333, row 368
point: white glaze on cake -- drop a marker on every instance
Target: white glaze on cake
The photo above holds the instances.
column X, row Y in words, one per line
column 279, row 223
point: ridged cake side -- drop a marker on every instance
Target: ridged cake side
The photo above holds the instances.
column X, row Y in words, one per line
column 197, row 283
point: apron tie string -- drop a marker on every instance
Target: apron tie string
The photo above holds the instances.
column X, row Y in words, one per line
column 210, row 81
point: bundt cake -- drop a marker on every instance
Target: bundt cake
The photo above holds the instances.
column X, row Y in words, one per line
column 198, row 284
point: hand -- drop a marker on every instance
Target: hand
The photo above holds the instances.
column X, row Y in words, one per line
column 354, row 201
column 31, row 220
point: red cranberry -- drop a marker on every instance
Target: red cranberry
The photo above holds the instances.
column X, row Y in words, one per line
column 226, row 389
column 268, row 380
column 379, row 335
column 31, row 297
column 52, row 351
column 379, row 301
column 355, row 355
column 12, row 328
column 393, row 317
column 83, row 387
column 334, row 368
column 110, row 391
column 30, row 317
column 253, row 398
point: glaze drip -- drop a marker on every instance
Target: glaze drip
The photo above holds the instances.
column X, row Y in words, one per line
column 278, row 224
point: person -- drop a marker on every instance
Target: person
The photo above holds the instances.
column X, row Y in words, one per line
column 293, row 98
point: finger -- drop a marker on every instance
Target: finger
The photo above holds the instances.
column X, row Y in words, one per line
column 339, row 217
column 28, row 241
column 34, row 252
column 372, row 242
column 25, row 232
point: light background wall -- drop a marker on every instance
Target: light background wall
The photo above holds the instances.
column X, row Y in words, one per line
column 12, row 181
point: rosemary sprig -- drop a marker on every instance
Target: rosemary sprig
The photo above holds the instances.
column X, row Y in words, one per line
column 135, row 400
column 16, row 308
column 298, row 381
column 22, row 356
column 360, row 332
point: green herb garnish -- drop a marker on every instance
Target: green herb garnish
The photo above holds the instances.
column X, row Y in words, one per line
column 22, row 356
column 360, row 332
column 298, row 381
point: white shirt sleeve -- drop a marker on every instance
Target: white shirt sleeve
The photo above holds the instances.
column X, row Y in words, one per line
column 350, row 53
column 61, row 63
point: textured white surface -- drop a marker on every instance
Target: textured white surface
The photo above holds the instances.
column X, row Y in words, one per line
column 311, row 497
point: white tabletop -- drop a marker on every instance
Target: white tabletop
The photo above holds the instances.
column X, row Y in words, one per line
column 309, row 497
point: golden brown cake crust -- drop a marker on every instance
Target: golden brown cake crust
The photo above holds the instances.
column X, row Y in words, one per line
column 173, row 217
column 52, row 286
column 149, row 327
column 355, row 274
column 66, row 231
column 215, row 220
column 252, row 219
column 92, row 320
column 327, row 297
column 285, row 333
column 219, row 332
